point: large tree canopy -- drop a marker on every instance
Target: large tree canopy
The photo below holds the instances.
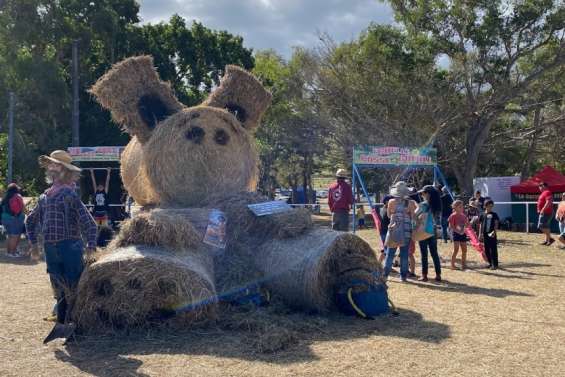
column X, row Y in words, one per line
column 497, row 51
column 35, row 63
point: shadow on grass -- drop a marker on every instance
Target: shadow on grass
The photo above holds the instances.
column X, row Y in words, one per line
column 471, row 289
column 109, row 355
column 22, row 261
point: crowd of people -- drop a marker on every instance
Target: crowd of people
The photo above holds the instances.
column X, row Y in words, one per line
column 412, row 217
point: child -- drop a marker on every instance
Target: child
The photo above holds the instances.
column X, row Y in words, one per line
column 457, row 223
column 489, row 223
column 560, row 217
column 360, row 216
column 473, row 214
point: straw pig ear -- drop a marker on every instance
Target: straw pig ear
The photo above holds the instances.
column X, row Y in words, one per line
column 136, row 97
column 241, row 94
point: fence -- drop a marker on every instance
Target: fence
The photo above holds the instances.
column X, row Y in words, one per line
column 316, row 208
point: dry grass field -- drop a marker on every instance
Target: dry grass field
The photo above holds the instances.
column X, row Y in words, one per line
column 508, row 322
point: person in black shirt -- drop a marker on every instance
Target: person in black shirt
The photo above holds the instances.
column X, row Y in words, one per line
column 446, row 202
column 101, row 203
column 489, row 223
column 385, row 222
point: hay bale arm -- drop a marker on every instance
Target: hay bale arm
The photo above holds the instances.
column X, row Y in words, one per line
column 306, row 271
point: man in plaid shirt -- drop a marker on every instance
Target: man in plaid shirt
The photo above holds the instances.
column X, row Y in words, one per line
column 63, row 221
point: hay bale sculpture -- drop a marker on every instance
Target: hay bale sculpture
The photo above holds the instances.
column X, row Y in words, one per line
column 181, row 164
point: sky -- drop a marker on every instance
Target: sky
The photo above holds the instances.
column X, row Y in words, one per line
column 275, row 24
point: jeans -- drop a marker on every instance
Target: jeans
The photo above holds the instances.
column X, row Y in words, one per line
column 64, row 265
column 444, row 228
column 491, row 250
column 340, row 220
column 390, row 253
column 431, row 244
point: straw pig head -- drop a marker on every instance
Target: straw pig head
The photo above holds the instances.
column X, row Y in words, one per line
column 178, row 155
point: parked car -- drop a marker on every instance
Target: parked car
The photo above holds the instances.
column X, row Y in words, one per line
column 322, row 194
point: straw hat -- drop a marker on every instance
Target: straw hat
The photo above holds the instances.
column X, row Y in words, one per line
column 59, row 157
column 341, row 173
column 400, row 190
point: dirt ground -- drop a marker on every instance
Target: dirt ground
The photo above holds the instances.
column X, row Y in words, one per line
column 508, row 322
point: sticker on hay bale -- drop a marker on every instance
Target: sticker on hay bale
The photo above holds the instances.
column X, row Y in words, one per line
column 136, row 286
column 306, row 271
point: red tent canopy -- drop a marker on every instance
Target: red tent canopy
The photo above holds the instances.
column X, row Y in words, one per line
column 552, row 177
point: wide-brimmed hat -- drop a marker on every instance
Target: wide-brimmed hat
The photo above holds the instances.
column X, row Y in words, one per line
column 341, row 173
column 400, row 190
column 59, row 157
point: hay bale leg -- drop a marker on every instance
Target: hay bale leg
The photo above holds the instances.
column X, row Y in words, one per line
column 137, row 286
column 306, row 271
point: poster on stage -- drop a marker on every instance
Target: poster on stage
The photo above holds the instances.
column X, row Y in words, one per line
column 83, row 154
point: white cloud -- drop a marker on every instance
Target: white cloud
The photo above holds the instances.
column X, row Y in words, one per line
column 275, row 24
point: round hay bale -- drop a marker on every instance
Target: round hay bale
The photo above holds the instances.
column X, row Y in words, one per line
column 134, row 174
column 244, row 225
column 178, row 230
column 306, row 271
column 138, row 286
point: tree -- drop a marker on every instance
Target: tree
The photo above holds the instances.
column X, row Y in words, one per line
column 35, row 62
column 489, row 43
column 383, row 88
column 292, row 140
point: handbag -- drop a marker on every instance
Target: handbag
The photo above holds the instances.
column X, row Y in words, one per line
column 394, row 236
column 424, row 227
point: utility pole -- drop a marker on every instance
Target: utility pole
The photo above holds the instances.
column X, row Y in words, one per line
column 10, row 137
column 75, row 119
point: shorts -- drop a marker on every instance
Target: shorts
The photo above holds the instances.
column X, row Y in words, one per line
column 101, row 218
column 14, row 225
column 361, row 222
column 459, row 237
column 544, row 221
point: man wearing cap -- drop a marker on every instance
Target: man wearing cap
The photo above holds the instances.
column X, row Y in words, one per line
column 545, row 212
column 63, row 221
column 340, row 199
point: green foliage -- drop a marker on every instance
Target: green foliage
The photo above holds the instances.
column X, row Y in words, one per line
column 292, row 140
column 35, row 63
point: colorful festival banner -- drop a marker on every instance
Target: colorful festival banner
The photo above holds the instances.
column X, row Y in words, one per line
column 81, row 154
column 394, row 156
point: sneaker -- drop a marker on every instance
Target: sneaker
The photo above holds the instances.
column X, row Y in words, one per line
column 13, row 255
column 544, row 243
column 412, row 275
column 423, row 278
column 551, row 241
column 438, row 279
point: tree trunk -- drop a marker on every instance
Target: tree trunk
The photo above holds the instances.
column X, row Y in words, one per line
column 477, row 135
column 525, row 173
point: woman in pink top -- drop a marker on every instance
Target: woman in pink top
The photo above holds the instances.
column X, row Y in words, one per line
column 457, row 223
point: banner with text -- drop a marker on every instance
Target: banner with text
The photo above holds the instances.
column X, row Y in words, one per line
column 96, row 153
column 394, row 156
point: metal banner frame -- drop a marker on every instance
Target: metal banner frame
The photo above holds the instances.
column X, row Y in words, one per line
column 356, row 176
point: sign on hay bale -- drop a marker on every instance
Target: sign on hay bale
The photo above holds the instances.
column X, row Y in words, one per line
column 269, row 208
